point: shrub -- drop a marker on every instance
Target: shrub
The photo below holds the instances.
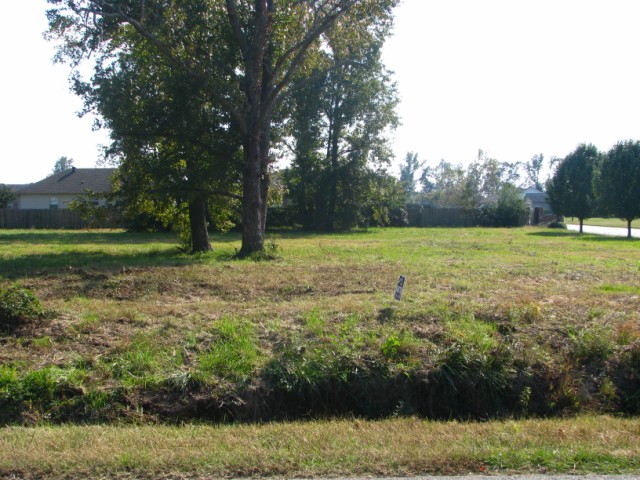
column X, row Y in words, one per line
column 558, row 224
column 18, row 305
column 510, row 210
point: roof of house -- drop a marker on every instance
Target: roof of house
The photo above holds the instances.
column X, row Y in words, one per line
column 13, row 187
column 537, row 198
column 74, row 181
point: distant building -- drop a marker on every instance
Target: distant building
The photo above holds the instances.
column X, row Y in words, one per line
column 541, row 211
column 57, row 191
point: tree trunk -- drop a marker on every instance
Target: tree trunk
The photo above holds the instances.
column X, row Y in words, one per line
column 198, row 221
column 252, row 223
column 629, row 227
column 581, row 220
column 334, row 140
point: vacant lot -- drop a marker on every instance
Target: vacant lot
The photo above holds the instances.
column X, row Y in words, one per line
column 491, row 323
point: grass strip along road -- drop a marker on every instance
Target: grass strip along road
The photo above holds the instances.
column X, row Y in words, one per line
column 395, row 447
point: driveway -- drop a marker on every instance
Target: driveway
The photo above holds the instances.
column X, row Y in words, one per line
column 611, row 231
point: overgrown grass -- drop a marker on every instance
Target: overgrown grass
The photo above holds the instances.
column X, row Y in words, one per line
column 493, row 323
column 395, row 447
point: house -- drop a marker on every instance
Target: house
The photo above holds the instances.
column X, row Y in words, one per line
column 541, row 211
column 60, row 189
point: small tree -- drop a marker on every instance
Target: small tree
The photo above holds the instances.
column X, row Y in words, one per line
column 571, row 190
column 62, row 164
column 619, row 182
column 7, row 196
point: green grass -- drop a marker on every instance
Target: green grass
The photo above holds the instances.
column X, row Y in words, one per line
column 492, row 322
column 601, row 222
column 395, row 447
column 139, row 338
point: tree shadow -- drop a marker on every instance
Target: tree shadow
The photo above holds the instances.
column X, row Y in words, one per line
column 100, row 237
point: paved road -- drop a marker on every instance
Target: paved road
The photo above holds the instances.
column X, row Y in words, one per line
column 612, row 231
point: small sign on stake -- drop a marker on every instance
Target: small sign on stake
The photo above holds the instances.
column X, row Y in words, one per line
column 398, row 293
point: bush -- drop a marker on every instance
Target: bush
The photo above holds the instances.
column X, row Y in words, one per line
column 509, row 211
column 558, row 224
column 18, row 305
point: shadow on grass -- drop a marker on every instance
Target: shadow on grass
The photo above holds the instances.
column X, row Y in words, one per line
column 88, row 250
column 587, row 237
column 101, row 237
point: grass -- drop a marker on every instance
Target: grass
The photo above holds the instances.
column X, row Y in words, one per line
column 601, row 222
column 493, row 324
column 395, row 447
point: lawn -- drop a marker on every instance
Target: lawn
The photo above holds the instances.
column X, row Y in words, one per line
column 493, row 324
column 601, row 222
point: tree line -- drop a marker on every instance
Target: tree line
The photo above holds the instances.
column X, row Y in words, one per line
column 590, row 183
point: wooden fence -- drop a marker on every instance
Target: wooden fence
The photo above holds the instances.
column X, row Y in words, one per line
column 53, row 219
column 427, row 216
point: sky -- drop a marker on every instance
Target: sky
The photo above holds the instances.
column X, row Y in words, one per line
column 514, row 78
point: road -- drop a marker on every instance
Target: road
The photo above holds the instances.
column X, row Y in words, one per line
column 611, row 231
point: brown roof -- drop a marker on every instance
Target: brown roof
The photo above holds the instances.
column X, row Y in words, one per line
column 73, row 181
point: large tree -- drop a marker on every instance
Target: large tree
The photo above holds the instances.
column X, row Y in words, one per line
column 619, row 182
column 242, row 56
column 339, row 130
column 571, row 189
column 176, row 152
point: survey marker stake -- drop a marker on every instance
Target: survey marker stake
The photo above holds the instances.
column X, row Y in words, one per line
column 398, row 293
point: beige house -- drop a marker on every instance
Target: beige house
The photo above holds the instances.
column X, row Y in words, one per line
column 57, row 191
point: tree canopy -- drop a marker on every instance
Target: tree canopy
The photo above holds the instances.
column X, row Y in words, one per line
column 619, row 182
column 339, row 131
column 239, row 58
column 571, row 189
column 62, row 164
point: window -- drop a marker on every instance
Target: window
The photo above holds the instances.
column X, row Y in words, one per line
column 53, row 203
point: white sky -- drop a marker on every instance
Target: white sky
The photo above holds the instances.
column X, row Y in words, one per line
column 512, row 77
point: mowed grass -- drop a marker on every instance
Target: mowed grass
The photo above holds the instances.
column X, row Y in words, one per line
column 395, row 447
column 602, row 222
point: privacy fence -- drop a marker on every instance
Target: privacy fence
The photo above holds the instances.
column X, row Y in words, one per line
column 53, row 219
column 428, row 216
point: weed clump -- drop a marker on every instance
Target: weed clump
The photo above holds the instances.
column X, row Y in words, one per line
column 18, row 305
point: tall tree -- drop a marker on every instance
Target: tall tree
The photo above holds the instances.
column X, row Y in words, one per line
column 176, row 153
column 571, row 190
column 339, row 130
column 619, row 182
column 408, row 172
column 243, row 57
column 62, row 164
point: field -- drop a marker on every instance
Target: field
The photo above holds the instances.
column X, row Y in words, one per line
column 493, row 324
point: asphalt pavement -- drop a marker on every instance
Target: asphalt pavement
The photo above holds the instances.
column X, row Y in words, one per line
column 611, row 231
